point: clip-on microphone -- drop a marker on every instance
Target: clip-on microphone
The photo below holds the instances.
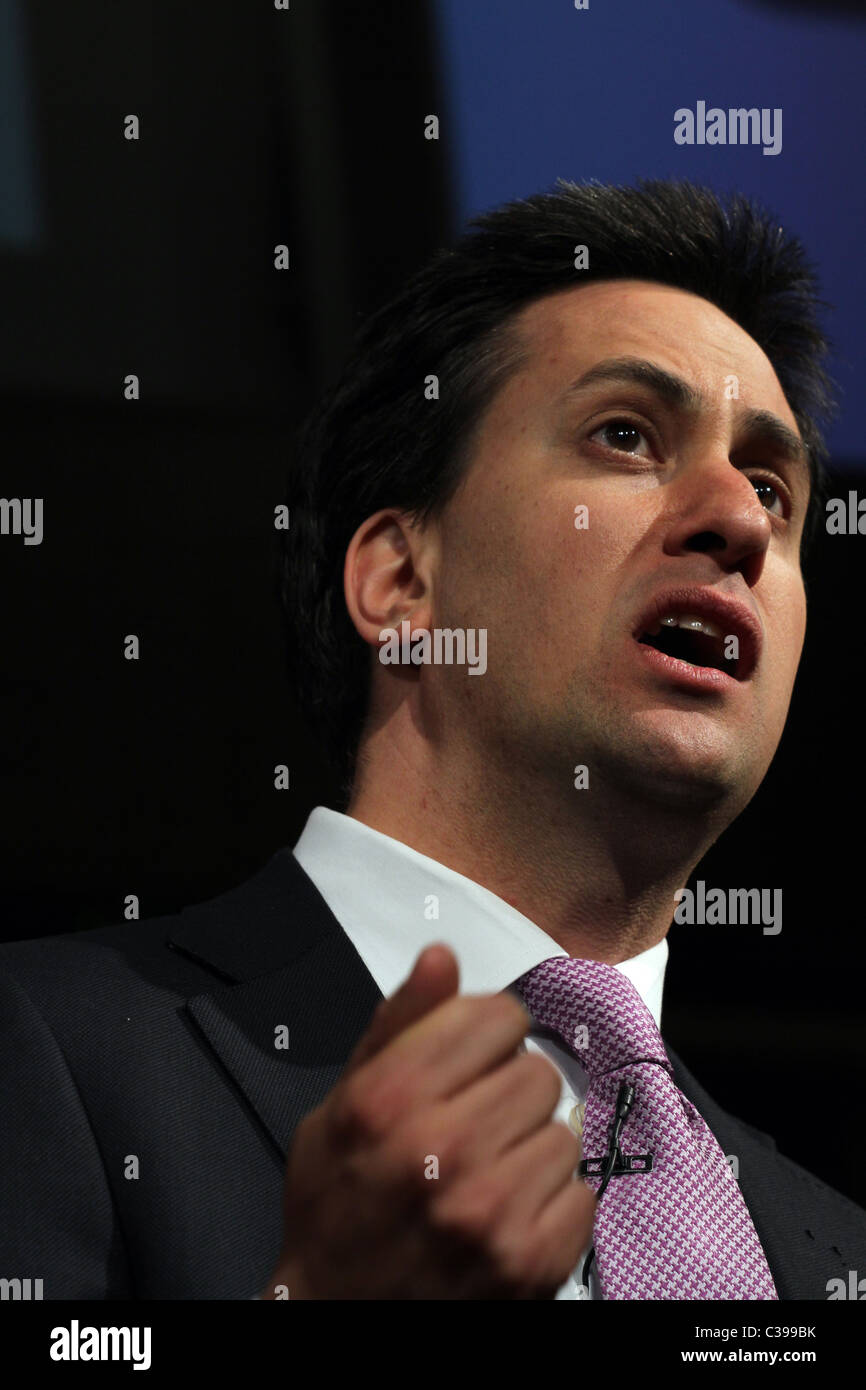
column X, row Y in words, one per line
column 623, row 1164
column 614, row 1164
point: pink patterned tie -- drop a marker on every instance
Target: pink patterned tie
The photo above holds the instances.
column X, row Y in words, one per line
column 683, row 1229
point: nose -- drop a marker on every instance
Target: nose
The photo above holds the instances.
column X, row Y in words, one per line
column 719, row 513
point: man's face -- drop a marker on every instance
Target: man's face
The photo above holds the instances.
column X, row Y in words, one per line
column 695, row 506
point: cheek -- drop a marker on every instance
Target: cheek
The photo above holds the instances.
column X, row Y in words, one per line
column 786, row 627
column 556, row 572
column 542, row 564
column 793, row 637
column 563, row 580
column 569, row 537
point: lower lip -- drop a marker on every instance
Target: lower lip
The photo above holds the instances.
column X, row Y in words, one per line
column 682, row 673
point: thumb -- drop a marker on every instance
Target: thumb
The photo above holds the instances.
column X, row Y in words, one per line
column 433, row 979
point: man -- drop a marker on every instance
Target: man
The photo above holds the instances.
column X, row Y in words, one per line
column 582, row 452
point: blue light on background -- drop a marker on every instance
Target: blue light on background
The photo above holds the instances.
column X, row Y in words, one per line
column 19, row 210
column 539, row 90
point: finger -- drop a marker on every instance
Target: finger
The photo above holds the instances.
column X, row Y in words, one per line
column 535, row 1171
column 440, row 1053
column 533, row 1206
column 433, row 979
column 565, row 1228
column 494, row 1113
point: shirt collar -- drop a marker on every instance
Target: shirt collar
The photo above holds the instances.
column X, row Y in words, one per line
column 392, row 902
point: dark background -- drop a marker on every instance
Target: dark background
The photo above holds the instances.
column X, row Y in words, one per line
column 156, row 257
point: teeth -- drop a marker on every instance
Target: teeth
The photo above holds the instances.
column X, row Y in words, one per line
column 686, row 620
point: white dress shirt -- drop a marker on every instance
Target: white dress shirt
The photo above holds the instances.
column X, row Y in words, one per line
column 392, row 902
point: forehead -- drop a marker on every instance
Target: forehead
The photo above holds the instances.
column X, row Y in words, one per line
column 568, row 332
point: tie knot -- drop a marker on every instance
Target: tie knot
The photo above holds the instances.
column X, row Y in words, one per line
column 596, row 1010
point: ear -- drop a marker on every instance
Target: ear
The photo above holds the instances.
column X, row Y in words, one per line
column 387, row 575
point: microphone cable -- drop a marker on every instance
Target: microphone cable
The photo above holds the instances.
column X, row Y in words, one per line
column 624, row 1102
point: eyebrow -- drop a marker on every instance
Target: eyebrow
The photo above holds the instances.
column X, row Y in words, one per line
column 637, row 371
column 771, row 430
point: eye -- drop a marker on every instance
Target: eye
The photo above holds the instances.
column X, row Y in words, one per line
column 770, row 496
column 622, row 435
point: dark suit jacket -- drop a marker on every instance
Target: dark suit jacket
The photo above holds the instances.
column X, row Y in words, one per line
column 154, row 1041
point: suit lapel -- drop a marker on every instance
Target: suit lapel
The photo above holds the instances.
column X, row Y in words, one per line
column 788, row 1207
column 288, row 968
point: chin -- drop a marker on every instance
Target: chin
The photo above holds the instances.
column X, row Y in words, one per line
column 672, row 788
column 698, row 770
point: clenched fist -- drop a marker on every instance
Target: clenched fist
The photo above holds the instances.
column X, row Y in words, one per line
column 435, row 1086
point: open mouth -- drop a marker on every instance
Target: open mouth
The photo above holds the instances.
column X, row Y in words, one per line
column 696, row 641
column 700, row 637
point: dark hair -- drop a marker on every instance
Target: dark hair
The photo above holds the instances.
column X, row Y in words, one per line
column 374, row 441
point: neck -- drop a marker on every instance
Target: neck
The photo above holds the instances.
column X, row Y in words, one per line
column 596, row 870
